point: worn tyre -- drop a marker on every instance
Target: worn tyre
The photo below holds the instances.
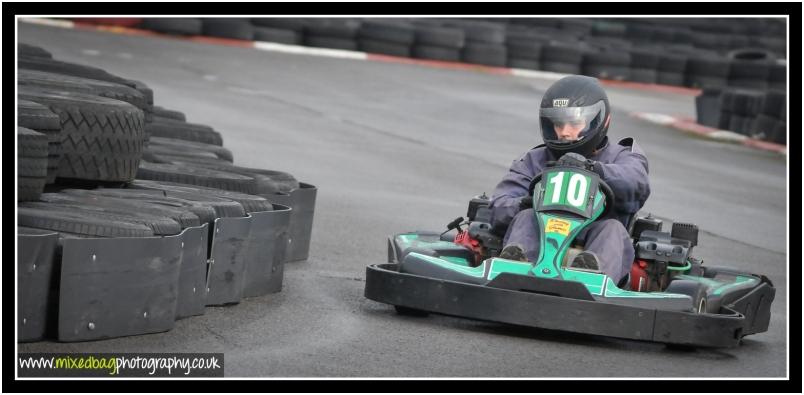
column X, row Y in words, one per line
column 171, row 114
column 197, row 176
column 224, row 208
column 38, row 117
column 276, row 35
column 32, row 51
column 383, row 47
column 194, row 147
column 204, row 213
column 32, row 158
column 75, row 222
column 180, row 215
column 159, row 226
column 53, row 81
column 391, row 31
column 73, row 69
column 101, row 139
column 486, row 54
column 183, row 131
column 443, row 37
column 247, row 202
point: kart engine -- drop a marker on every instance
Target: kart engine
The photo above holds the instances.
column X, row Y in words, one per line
column 661, row 255
column 478, row 237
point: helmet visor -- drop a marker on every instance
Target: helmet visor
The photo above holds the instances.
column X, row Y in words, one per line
column 571, row 124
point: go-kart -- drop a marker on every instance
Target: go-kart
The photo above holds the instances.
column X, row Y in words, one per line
column 668, row 296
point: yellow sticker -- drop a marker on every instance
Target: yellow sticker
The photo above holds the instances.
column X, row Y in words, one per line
column 558, row 226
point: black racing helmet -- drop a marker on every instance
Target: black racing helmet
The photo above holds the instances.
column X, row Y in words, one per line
column 575, row 99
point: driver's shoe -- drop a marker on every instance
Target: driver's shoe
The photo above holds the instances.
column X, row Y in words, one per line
column 585, row 260
column 513, row 252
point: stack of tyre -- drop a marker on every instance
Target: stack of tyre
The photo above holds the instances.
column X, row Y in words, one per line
column 98, row 161
column 759, row 114
column 692, row 52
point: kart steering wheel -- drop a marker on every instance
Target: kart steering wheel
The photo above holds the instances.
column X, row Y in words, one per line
column 607, row 193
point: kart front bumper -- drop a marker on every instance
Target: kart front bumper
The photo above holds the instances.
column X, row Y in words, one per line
column 384, row 283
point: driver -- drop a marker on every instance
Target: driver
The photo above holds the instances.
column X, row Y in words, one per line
column 575, row 116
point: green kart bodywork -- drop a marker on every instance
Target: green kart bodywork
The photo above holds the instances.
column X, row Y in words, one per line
column 424, row 265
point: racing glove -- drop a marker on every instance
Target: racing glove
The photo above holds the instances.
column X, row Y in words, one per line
column 578, row 160
column 525, row 203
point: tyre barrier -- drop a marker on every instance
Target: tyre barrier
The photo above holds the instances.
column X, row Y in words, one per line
column 758, row 114
column 724, row 55
column 122, row 286
column 131, row 256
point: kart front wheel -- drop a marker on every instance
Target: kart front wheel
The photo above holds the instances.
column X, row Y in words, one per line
column 402, row 310
column 693, row 289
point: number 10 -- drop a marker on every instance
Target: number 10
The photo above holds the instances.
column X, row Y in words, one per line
column 575, row 192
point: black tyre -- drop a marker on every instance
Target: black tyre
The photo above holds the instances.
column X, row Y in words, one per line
column 529, row 50
column 224, row 208
column 383, row 47
column 694, row 290
column 436, row 53
column 265, row 184
column 672, row 63
column 443, row 37
column 348, row 44
column 485, row 54
column 32, row 156
column 777, row 76
column 332, row 27
column 608, row 72
column 644, row 59
column 32, row 51
column 86, row 198
column 775, row 104
column 160, row 226
column 562, row 53
column 779, row 134
column 59, row 82
column 171, row 114
column 391, row 31
column 250, row 203
column 708, row 66
column 204, row 213
column 763, row 127
column 183, row 131
column 276, row 35
column 180, row 26
column 72, row 221
column 564, row 68
column 294, row 24
column 481, row 32
column 101, row 139
column 648, row 76
column 73, row 69
column 193, row 147
column 38, row 117
column 670, row 78
column 234, row 28
column 197, row 176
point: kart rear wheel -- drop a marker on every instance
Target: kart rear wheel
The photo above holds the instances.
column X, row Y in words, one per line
column 402, row 310
column 694, row 289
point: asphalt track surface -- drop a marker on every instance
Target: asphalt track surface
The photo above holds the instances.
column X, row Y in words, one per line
column 394, row 148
